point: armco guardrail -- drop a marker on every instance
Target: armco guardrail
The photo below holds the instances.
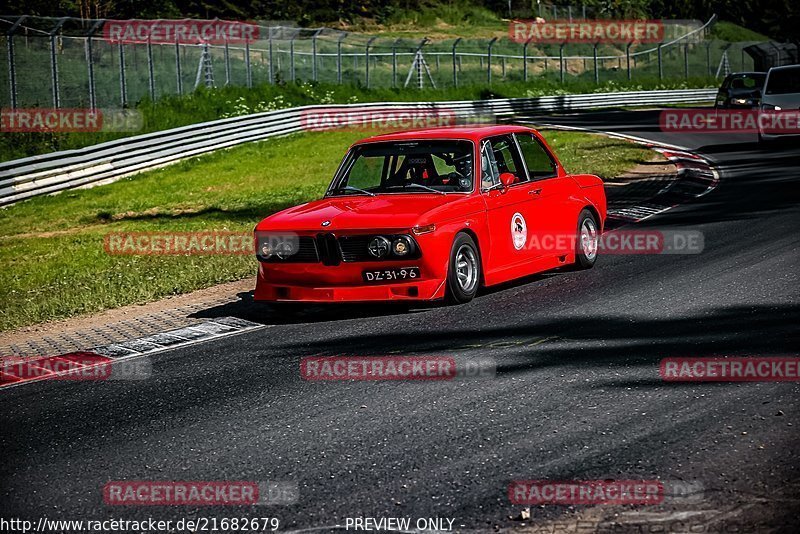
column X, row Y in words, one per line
column 49, row 173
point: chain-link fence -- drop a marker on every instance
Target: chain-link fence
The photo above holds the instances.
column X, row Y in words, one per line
column 72, row 63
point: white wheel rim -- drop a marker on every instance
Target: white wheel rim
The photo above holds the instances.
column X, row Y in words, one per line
column 589, row 239
column 466, row 268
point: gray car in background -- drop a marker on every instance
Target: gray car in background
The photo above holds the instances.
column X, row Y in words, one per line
column 781, row 93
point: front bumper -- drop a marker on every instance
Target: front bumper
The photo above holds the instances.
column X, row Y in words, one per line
column 316, row 282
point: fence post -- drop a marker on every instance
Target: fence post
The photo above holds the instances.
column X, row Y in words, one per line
column 150, row 71
column 342, row 37
column 455, row 62
column 686, row 60
column 561, row 61
column 12, row 70
column 708, row 59
column 227, row 63
column 525, row 60
column 660, row 64
column 178, row 65
column 123, row 86
column 489, row 60
column 314, row 55
column 596, row 71
column 269, row 44
column 628, row 58
column 247, row 67
column 366, row 56
column 54, row 63
column 394, row 62
column 90, row 63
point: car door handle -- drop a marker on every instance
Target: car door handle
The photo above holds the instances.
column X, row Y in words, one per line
column 535, row 192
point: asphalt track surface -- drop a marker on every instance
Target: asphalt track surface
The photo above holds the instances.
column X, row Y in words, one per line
column 577, row 394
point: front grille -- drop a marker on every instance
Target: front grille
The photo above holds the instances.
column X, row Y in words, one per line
column 354, row 248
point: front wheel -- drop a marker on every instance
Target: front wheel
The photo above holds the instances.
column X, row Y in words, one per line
column 588, row 241
column 464, row 270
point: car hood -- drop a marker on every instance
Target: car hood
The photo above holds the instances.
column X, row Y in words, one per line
column 389, row 211
column 786, row 101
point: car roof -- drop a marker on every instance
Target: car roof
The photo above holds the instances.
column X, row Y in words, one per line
column 785, row 67
column 470, row 133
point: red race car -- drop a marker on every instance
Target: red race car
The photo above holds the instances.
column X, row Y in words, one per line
column 431, row 214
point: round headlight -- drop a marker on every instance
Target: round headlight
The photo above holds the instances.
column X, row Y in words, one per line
column 266, row 249
column 379, row 246
column 401, row 246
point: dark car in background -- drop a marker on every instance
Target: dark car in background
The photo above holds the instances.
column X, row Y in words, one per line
column 741, row 90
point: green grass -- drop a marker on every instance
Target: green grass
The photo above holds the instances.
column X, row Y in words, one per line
column 728, row 31
column 53, row 264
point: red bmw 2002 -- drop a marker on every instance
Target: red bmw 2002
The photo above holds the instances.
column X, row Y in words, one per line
column 431, row 214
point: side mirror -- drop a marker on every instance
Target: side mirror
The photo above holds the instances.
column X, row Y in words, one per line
column 507, row 179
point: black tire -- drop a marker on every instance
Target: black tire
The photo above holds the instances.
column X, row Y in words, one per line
column 463, row 270
column 584, row 259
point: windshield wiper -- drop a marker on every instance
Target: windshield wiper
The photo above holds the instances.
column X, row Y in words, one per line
column 351, row 188
column 421, row 186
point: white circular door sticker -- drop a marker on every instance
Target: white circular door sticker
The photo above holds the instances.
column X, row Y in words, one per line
column 519, row 231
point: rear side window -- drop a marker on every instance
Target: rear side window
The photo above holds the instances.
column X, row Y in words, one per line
column 782, row 82
column 538, row 161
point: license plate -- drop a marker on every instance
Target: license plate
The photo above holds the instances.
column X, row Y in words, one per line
column 383, row 276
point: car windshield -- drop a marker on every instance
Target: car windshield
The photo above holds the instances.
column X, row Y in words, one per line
column 438, row 167
column 784, row 81
column 746, row 81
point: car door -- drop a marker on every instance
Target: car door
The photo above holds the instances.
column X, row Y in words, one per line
column 552, row 225
column 509, row 208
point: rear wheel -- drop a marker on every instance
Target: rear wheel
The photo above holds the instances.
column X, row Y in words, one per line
column 464, row 270
column 588, row 242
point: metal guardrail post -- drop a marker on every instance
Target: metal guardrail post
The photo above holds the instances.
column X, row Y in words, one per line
column 628, row 58
column 455, row 62
column 660, row 63
column 525, row 60
column 366, row 57
column 90, row 63
column 561, row 65
column 596, row 69
column 12, row 70
column 342, row 37
column 489, row 60
column 54, row 63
